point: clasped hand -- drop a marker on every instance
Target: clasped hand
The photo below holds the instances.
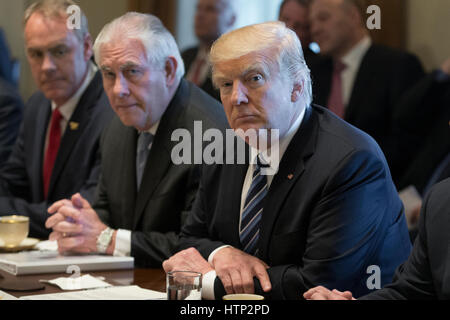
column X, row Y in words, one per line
column 75, row 225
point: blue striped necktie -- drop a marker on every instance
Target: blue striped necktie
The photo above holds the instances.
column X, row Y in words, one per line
column 253, row 207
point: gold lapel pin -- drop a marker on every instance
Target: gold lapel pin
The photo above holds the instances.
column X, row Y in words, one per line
column 74, row 125
column 290, row 176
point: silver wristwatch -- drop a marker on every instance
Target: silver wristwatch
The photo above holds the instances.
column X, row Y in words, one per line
column 104, row 239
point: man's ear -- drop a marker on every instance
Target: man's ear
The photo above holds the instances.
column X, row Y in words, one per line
column 171, row 70
column 297, row 91
column 88, row 50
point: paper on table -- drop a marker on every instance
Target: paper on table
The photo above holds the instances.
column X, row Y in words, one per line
column 84, row 282
column 5, row 296
column 111, row 293
column 47, row 245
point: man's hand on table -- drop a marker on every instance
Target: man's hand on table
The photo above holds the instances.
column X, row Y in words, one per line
column 187, row 260
column 321, row 293
column 236, row 269
column 76, row 226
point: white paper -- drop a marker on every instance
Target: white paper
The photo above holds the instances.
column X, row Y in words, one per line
column 111, row 293
column 47, row 245
column 5, row 296
column 78, row 283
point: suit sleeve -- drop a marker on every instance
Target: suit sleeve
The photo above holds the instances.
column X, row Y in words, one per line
column 413, row 280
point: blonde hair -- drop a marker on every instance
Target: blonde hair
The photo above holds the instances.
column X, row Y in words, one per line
column 258, row 37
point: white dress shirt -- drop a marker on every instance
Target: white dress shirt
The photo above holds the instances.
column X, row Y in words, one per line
column 352, row 61
column 210, row 277
column 123, row 237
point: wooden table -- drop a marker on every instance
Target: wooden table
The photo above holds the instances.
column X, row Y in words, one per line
column 154, row 279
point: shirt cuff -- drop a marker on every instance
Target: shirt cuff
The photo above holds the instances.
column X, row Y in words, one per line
column 208, row 285
column 123, row 243
column 211, row 256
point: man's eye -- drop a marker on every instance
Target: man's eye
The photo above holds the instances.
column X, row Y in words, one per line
column 108, row 74
column 35, row 54
column 59, row 52
column 256, row 78
column 133, row 72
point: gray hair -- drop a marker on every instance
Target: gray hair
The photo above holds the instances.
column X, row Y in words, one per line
column 57, row 9
column 257, row 37
column 157, row 40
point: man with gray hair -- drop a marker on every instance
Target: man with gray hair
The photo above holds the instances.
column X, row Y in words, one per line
column 143, row 196
column 329, row 214
column 56, row 153
column 212, row 19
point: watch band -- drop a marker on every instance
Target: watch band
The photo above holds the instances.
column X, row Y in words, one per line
column 104, row 239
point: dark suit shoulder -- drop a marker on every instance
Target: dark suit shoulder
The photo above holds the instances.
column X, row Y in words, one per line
column 188, row 56
column 341, row 135
column 387, row 57
column 202, row 107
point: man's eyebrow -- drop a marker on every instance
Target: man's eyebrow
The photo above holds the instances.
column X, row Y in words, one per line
column 129, row 64
column 105, row 68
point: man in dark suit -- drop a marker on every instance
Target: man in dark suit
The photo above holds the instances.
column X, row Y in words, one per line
column 423, row 115
column 360, row 81
column 56, row 153
column 212, row 19
column 141, row 201
column 11, row 110
column 328, row 213
column 425, row 275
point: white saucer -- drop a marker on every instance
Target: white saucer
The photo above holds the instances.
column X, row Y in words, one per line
column 26, row 244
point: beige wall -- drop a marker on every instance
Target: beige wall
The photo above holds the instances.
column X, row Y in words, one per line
column 428, row 29
column 428, row 33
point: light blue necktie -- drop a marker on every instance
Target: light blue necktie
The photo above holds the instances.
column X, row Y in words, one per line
column 143, row 143
column 253, row 207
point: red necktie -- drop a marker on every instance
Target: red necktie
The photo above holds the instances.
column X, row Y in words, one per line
column 198, row 68
column 52, row 149
column 335, row 101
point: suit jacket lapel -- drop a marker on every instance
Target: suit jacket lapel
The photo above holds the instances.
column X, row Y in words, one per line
column 76, row 126
column 291, row 168
column 38, row 145
column 126, row 182
column 159, row 159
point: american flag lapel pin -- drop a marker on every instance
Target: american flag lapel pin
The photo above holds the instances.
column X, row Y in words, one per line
column 290, row 176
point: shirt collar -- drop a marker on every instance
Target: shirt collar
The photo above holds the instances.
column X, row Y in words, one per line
column 271, row 158
column 68, row 108
column 353, row 58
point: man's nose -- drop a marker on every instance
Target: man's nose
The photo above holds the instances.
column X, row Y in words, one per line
column 239, row 94
column 48, row 65
column 121, row 89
